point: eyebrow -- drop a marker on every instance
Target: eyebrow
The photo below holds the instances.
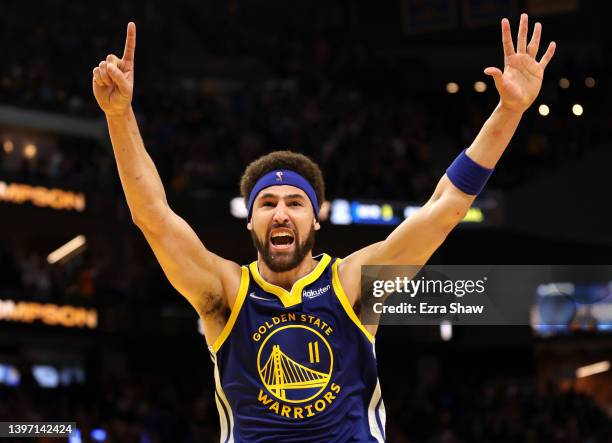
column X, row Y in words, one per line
column 286, row 197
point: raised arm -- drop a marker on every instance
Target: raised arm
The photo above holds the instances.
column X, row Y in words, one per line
column 417, row 238
column 209, row 282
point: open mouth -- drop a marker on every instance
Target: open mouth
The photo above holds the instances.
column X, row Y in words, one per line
column 281, row 238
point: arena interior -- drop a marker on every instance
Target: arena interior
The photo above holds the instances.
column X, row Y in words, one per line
column 383, row 95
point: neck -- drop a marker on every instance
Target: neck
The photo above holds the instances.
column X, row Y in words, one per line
column 286, row 279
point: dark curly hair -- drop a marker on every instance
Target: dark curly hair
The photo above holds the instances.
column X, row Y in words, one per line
column 283, row 160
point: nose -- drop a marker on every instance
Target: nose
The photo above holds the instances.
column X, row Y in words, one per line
column 281, row 215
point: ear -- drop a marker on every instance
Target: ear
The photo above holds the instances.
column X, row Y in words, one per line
column 250, row 226
column 316, row 225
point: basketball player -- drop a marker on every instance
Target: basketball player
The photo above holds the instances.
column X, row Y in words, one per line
column 292, row 361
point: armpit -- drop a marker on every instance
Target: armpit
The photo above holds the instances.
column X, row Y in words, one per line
column 213, row 305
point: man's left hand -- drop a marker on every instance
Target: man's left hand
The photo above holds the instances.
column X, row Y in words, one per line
column 520, row 82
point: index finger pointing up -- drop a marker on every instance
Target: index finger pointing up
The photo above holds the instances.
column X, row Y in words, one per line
column 130, row 43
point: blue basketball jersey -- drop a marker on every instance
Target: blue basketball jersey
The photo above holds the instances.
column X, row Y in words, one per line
column 296, row 366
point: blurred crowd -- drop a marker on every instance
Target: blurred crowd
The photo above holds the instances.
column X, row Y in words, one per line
column 131, row 406
column 501, row 410
column 98, row 276
column 210, row 105
column 146, row 405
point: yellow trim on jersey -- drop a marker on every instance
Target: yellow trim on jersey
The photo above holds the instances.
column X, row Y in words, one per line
column 346, row 304
column 293, row 297
column 242, row 291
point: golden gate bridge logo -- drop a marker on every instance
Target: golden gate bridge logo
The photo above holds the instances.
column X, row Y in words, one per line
column 283, row 376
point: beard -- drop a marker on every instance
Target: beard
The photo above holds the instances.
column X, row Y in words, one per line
column 285, row 261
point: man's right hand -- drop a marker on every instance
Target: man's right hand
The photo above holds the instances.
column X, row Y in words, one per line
column 113, row 79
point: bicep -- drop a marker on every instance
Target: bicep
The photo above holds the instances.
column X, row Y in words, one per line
column 202, row 277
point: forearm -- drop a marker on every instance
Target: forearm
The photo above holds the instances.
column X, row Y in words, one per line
column 494, row 137
column 451, row 203
column 141, row 183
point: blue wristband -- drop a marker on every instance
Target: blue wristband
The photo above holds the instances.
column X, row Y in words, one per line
column 467, row 175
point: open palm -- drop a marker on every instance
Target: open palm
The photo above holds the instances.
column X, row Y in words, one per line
column 520, row 82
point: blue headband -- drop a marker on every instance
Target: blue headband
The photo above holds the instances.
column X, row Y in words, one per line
column 283, row 177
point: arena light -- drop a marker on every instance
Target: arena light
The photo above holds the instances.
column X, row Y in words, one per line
column 373, row 214
column 70, row 375
column 555, row 289
column 341, row 212
column 8, row 146
column 452, row 88
column 9, row 375
column 67, row 249
column 577, row 110
column 237, row 208
column 474, row 215
column 46, row 376
column 29, row 150
column 589, row 82
column 544, row 110
column 98, row 434
column 410, row 210
column 75, row 436
column 446, row 330
column 564, row 83
column 480, row 86
column 595, row 368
